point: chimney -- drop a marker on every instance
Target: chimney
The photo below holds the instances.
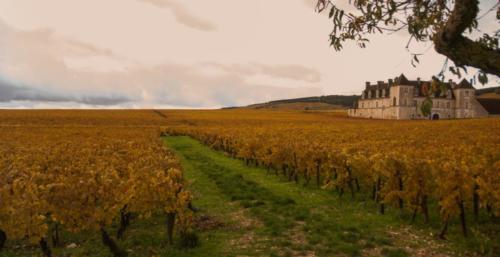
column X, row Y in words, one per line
column 380, row 83
column 367, row 84
column 418, row 80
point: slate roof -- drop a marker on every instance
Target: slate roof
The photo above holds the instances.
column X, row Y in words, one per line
column 421, row 86
column 465, row 84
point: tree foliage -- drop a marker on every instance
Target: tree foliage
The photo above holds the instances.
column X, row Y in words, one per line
column 443, row 22
column 426, row 107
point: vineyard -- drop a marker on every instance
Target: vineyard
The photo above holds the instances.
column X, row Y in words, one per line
column 450, row 168
column 68, row 174
column 106, row 180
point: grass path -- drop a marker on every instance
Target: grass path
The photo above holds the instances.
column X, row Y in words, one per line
column 265, row 216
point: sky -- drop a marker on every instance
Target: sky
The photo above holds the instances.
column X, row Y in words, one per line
column 189, row 54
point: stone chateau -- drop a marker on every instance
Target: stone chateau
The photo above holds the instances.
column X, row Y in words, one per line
column 401, row 99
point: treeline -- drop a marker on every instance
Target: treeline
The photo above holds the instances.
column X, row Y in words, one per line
column 342, row 100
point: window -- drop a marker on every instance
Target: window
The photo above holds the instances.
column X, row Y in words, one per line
column 376, row 104
column 405, row 103
column 466, row 93
column 466, row 105
column 415, row 103
column 448, row 105
column 362, row 105
column 394, row 101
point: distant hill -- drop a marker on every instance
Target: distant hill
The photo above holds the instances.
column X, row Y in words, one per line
column 328, row 102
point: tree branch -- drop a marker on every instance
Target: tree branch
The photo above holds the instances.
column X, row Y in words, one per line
column 450, row 42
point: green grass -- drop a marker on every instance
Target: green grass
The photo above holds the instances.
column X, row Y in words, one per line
column 262, row 215
column 295, row 219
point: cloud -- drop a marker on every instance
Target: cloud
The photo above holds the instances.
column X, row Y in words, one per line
column 296, row 72
column 287, row 71
column 185, row 85
column 35, row 69
column 13, row 93
column 182, row 15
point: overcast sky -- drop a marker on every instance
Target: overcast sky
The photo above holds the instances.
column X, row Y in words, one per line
column 188, row 53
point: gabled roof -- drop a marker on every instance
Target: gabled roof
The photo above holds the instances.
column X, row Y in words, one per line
column 402, row 79
column 464, row 84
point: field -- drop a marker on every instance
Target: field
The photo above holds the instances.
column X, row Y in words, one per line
column 246, row 183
